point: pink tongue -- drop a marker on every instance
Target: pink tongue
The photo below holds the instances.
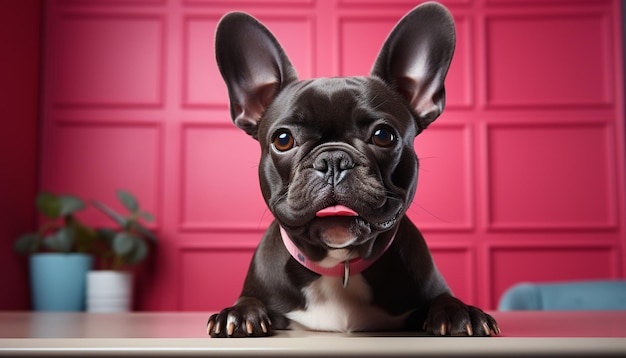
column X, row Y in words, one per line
column 337, row 210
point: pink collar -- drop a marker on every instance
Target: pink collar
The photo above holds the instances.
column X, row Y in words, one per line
column 345, row 270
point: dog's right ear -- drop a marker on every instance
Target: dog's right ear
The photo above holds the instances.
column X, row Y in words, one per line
column 253, row 65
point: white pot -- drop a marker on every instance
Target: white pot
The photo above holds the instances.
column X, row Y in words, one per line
column 109, row 291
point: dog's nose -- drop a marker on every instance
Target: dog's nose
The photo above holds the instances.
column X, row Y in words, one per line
column 333, row 165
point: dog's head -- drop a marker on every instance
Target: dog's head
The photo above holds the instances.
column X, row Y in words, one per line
column 338, row 169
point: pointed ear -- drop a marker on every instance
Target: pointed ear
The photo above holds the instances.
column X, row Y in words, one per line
column 415, row 58
column 253, row 65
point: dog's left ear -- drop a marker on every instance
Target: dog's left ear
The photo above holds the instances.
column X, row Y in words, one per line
column 415, row 58
column 253, row 65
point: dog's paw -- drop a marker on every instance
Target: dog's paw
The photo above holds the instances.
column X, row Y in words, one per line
column 449, row 316
column 247, row 318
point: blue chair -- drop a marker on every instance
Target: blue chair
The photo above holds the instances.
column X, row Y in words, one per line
column 566, row 296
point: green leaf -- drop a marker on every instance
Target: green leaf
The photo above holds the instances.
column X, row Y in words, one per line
column 146, row 232
column 60, row 241
column 114, row 215
column 27, row 243
column 128, row 200
column 70, row 204
column 124, row 243
column 146, row 216
column 138, row 254
column 49, row 205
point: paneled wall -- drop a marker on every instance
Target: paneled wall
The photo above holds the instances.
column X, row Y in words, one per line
column 521, row 179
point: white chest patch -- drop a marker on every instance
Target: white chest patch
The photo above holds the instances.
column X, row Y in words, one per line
column 330, row 307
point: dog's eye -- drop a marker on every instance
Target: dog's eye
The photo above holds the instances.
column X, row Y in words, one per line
column 384, row 136
column 283, row 141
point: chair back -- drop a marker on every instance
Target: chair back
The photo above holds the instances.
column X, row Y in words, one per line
column 566, row 296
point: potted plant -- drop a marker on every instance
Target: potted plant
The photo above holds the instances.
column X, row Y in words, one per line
column 110, row 289
column 58, row 259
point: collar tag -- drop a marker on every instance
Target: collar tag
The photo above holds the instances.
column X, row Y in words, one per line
column 346, row 273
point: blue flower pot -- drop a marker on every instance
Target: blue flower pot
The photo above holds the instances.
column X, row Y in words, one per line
column 58, row 281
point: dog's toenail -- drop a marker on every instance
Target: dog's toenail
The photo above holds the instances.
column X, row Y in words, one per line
column 486, row 328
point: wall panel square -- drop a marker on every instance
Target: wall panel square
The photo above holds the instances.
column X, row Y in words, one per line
column 107, row 60
column 360, row 39
column 551, row 177
column 548, row 60
column 220, row 180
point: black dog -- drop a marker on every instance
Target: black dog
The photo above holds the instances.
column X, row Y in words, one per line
column 338, row 172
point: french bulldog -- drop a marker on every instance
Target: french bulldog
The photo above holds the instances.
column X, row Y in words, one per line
column 338, row 171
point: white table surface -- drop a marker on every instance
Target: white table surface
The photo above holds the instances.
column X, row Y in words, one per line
column 179, row 334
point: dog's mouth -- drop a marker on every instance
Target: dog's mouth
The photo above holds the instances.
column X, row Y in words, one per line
column 338, row 226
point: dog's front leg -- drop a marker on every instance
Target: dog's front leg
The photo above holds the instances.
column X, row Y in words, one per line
column 448, row 315
column 247, row 318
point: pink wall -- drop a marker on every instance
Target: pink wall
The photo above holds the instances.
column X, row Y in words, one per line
column 522, row 178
